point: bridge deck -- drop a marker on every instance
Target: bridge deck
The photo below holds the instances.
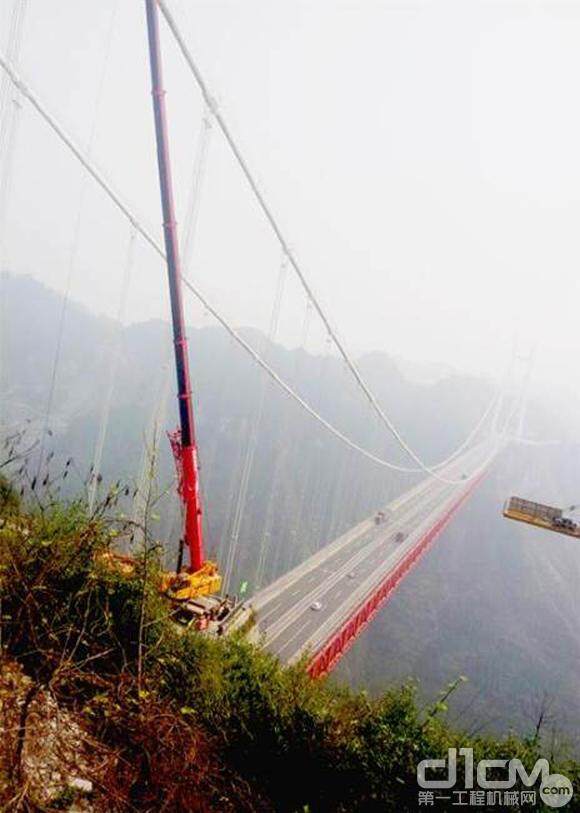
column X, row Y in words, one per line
column 348, row 579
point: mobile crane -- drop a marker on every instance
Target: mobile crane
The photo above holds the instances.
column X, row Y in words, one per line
column 194, row 590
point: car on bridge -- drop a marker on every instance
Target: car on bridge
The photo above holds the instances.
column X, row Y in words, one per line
column 380, row 517
column 316, row 605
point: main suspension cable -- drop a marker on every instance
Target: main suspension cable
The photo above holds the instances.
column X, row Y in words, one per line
column 270, row 217
column 99, row 178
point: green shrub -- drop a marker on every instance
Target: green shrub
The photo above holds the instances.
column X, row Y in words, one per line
column 9, row 498
column 105, row 642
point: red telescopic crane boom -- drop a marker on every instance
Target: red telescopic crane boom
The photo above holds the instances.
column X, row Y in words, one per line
column 183, row 443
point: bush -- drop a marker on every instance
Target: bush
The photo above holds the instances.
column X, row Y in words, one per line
column 9, row 498
column 198, row 721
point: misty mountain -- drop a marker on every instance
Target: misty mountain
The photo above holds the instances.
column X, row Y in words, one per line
column 491, row 600
column 304, row 486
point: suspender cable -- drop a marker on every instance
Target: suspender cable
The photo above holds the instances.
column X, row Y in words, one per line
column 6, row 167
column 100, row 179
column 112, row 371
column 186, row 450
column 253, row 439
column 10, row 109
column 6, row 174
column 279, row 456
column 269, row 522
column 197, row 178
column 142, row 498
column 279, row 483
column 297, row 512
column 73, row 254
column 13, row 52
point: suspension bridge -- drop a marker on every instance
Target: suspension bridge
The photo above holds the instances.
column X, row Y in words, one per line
column 316, row 609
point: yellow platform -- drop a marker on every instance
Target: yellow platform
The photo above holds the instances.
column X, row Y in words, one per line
column 542, row 516
column 185, row 586
column 178, row 586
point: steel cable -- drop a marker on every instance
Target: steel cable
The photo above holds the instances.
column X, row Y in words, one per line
column 98, row 176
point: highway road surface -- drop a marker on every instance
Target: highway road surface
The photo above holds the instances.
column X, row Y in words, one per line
column 302, row 610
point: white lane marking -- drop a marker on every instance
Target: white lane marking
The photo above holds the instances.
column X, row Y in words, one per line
column 279, row 602
column 440, row 498
column 294, row 612
column 333, row 622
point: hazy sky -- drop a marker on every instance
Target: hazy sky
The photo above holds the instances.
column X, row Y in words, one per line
column 423, row 157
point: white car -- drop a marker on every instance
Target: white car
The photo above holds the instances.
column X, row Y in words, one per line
column 316, row 605
column 351, row 575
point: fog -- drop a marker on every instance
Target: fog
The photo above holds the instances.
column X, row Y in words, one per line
column 422, row 160
column 421, row 156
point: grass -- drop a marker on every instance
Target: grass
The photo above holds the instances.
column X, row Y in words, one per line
column 196, row 722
